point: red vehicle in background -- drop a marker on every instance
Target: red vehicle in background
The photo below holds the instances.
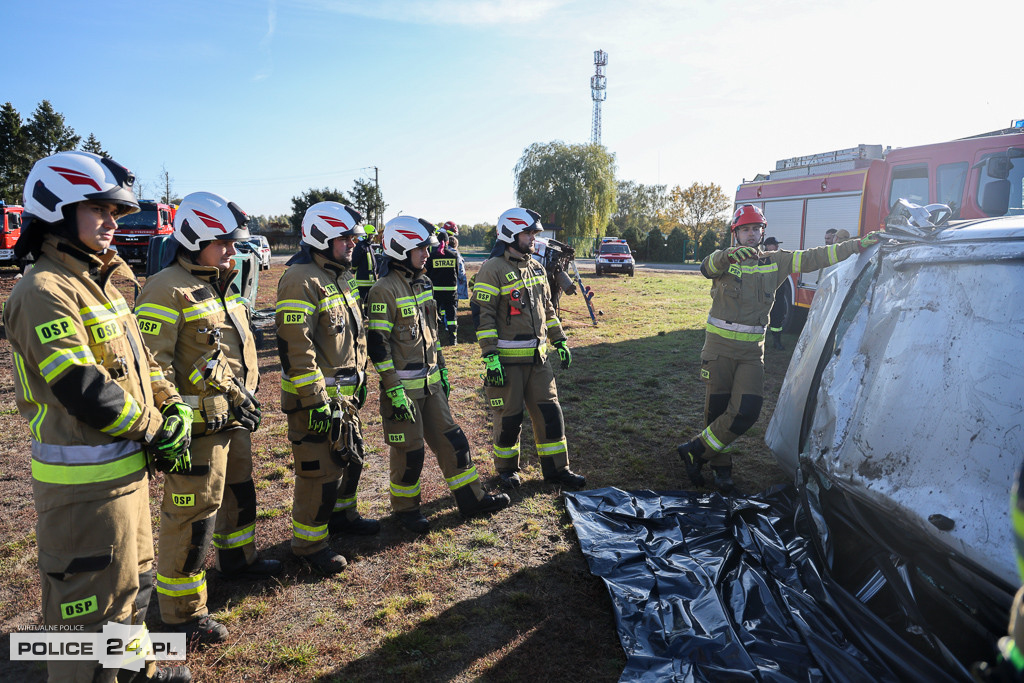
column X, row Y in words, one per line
column 10, row 231
column 135, row 230
column 854, row 189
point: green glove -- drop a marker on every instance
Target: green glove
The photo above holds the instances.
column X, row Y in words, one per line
column 320, row 419
column 495, row 376
column 737, row 254
column 404, row 410
column 170, row 445
column 360, row 395
column 445, row 384
column 564, row 353
column 870, row 240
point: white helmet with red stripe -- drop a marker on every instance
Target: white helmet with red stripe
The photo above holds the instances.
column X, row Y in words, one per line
column 407, row 232
column 326, row 220
column 66, row 178
column 515, row 221
column 204, row 217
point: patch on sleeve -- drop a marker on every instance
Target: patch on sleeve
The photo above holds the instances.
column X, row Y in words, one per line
column 105, row 331
column 149, row 326
column 294, row 318
column 55, row 329
column 408, row 311
column 483, row 296
column 509, row 277
column 378, row 308
column 734, row 269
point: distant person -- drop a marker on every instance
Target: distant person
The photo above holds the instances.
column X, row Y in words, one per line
column 830, row 236
column 403, row 346
column 364, row 263
column 99, row 409
column 462, row 288
column 744, row 281
column 777, row 318
column 442, row 269
column 518, row 326
column 198, row 328
column 842, row 235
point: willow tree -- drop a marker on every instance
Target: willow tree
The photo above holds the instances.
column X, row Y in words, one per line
column 572, row 186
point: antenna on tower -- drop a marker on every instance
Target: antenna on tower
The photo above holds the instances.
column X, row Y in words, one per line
column 598, row 83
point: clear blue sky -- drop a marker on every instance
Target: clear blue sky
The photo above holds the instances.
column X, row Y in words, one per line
column 261, row 100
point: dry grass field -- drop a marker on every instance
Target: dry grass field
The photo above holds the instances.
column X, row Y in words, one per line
column 505, row 598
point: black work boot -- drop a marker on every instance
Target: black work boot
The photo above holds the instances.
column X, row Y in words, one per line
column 567, row 479
column 414, row 521
column 723, row 479
column 172, row 674
column 201, row 631
column 258, row 569
column 324, row 562
column 509, row 480
column 489, row 503
column 690, row 453
column 360, row 526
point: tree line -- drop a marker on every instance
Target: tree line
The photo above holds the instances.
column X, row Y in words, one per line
column 574, row 189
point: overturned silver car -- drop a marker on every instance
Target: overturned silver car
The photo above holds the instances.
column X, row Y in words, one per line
column 903, row 414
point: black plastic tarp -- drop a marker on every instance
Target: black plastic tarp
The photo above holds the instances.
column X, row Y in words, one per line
column 707, row 588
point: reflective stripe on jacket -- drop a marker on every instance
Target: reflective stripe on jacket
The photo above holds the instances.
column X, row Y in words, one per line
column 320, row 332
column 515, row 307
column 402, row 332
column 184, row 312
column 64, row 318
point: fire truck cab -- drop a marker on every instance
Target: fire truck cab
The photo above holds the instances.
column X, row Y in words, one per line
column 855, row 188
column 135, row 230
column 10, row 231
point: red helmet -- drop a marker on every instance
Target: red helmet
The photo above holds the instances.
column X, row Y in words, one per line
column 748, row 214
column 450, row 228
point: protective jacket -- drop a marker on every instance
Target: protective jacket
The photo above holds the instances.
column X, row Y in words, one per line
column 365, row 265
column 198, row 330
column 442, row 269
column 742, row 294
column 321, row 334
column 86, row 383
column 517, row 317
column 402, row 336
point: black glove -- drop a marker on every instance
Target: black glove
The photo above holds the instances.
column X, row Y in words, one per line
column 248, row 412
column 360, row 395
column 170, row 445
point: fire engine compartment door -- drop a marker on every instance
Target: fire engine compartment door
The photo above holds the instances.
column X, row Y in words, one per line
column 707, row 588
column 824, row 213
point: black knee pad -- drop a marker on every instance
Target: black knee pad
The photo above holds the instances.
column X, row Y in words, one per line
column 202, row 534
column 245, row 498
column 554, row 424
column 511, row 426
column 457, row 438
column 750, row 408
column 717, row 404
column 145, row 592
column 413, row 467
column 328, row 497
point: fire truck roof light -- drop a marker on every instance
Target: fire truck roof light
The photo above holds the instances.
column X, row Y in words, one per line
column 1019, row 123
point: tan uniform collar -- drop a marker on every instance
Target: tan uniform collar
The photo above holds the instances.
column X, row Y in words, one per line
column 210, row 274
column 84, row 263
column 329, row 265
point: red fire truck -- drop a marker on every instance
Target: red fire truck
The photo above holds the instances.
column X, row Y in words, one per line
column 853, row 189
column 10, row 231
column 135, row 230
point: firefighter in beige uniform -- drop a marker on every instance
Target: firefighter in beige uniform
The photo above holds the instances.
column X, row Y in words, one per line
column 197, row 327
column 95, row 401
column 321, row 339
column 403, row 345
column 732, row 362
column 517, row 319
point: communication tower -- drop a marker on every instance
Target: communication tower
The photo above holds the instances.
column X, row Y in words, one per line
column 598, row 83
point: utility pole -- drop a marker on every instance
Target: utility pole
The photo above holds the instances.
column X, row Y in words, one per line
column 376, row 204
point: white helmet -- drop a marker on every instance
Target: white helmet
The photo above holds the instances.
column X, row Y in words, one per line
column 404, row 233
column 515, row 221
column 67, row 178
column 204, row 217
column 326, row 220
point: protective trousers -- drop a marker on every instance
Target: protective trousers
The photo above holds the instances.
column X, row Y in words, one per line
column 732, row 403
column 533, row 385
column 215, row 503
column 95, row 565
column 447, row 309
column 324, row 486
column 434, row 425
